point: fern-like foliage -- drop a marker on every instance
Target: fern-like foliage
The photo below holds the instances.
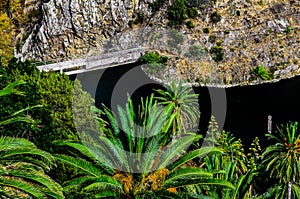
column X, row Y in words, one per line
column 133, row 160
column 22, row 170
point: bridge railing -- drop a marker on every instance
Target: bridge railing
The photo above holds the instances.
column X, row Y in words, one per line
column 96, row 62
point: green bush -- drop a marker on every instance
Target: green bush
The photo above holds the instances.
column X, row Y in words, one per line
column 215, row 17
column 52, row 90
column 190, row 24
column 212, row 39
column 288, row 30
column 156, row 5
column 140, row 18
column 130, row 23
column 219, row 42
column 153, row 58
column 262, row 73
column 206, row 30
column 177, row 12
column 217, row 53
column 192, row 12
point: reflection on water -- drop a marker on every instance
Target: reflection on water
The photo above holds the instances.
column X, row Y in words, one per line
column 247, row 107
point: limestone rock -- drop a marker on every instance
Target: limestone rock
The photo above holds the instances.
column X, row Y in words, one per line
column 70, row 28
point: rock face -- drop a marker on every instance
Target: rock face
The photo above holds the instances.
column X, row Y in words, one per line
column 70, row 28
column 250, row 33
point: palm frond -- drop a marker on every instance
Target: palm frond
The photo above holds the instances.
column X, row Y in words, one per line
column 187, row 174
column 103, row 183
column 201, row 181
column 22, row 186
column 176, row 149
column 10, row 88
column 105, row 194
column 193, row 154
column 7, row 143
column 83, row 165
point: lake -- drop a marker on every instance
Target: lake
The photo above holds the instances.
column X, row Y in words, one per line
column 246, row 108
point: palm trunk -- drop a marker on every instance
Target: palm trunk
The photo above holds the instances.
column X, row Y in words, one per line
column 289, row 190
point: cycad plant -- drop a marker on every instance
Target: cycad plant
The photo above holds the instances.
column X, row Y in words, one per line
column 282, row 160
column 22, row 167
column 22, row 164
column 135, row 162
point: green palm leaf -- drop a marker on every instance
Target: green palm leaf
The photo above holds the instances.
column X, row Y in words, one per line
column 81, row 164
column 22, row 186
column 103, row 183
column 176, row 149
column 193, row 154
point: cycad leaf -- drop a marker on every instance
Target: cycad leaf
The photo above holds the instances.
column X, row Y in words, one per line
column 22, row 186
column 187, row 174
column 88, row 167
column 193, row 154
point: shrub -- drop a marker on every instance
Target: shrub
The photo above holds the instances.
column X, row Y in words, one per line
column 215, row 17
column 217, row 53
column 219, row 42
column 262, row 73
column 288, row 30
column 206, row 30
column 130, row 23
column 153, row 58
column 52, row 90
column 156, row 5
column 212, row 39
column 192, row 12
column 140, row 18
column 177, row 12
column 190, row 24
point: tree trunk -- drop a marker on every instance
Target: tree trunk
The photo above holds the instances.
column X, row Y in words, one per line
column 289, row 190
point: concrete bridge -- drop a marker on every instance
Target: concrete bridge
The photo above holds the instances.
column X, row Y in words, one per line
column 96, row 62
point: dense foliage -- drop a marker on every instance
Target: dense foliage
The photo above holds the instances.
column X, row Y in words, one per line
column 181, row 10
column 53, row 92
column 22, row 164
column 153, row 58
column 142, row 151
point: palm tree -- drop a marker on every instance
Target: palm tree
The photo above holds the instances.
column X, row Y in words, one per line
column 22, row 164
column 282, row 160
column 182, row 106
column 135, row 162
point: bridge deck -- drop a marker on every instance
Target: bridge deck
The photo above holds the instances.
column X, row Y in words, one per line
column 96, row 62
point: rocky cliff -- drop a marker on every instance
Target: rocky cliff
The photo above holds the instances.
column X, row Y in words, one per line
column 69, row 28
column 246, row 34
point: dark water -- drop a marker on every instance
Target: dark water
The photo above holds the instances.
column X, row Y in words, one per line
column 247, row 108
